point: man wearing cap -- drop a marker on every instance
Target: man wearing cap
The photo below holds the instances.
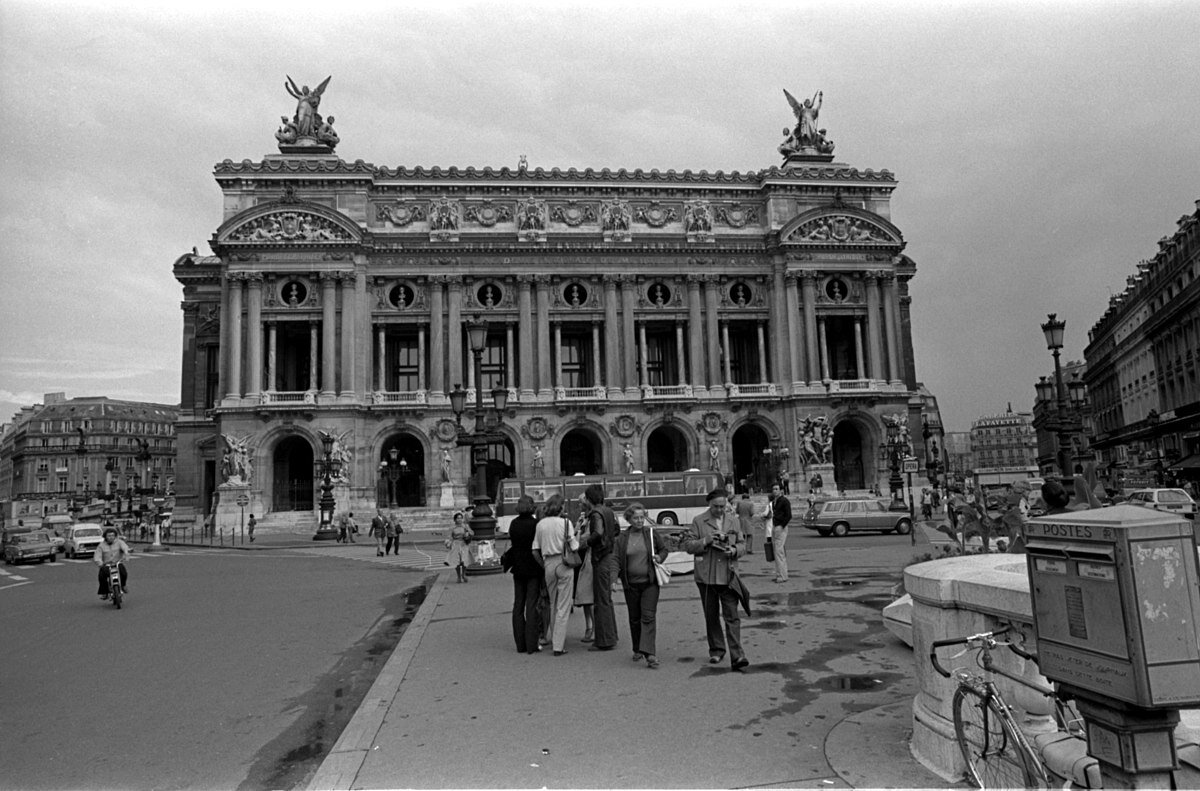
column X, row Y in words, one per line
column 716, row 540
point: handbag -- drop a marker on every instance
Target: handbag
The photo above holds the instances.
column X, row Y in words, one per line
column 661, row 572
column 571, row 557
column 769, row 550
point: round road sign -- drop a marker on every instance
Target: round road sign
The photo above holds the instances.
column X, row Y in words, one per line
column 243, row 500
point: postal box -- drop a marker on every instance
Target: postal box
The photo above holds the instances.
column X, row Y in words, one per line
column 1116, row 603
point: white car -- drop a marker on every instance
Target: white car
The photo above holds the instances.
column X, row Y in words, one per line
column 82, row 539
column 1176, row 501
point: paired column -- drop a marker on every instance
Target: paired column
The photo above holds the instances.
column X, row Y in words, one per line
column 782, row 342
column 725, row 349
column 628, row 299
column 889, row 319
column 328, row 335
column 224, row 351
column 763, row 375
column 349, row 330
column 695, row 336
column 312, row 355
column 254, row 339
column 808, row 288
column 645, row 366
column 272, row 344
column 796, row 370
column 858, row 349
column 510, row 371
column 824, row 349
column 543, row 335
column 421, row 379
column 612, row 349
column 437, row 338
column 525, row 334
column 558, row 377
column 235, row 336
column 380, row 357
column 681, row 370
column 711, row 285
column 595, row 354
column 454, row 333
column 874, row 323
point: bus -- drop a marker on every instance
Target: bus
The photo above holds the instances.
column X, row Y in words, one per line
column 671, row 498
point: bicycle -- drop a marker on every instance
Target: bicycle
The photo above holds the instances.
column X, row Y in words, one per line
column 993, row 746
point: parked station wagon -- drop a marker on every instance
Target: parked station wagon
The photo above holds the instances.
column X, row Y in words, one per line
column 843, row 515
column 1175, row 501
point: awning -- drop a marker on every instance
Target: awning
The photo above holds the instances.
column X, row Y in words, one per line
column 1186, row 463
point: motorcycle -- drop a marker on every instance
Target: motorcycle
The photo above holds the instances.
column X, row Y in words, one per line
column 115, row 590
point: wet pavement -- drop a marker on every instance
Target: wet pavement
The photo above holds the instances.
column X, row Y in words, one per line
column 825, row 703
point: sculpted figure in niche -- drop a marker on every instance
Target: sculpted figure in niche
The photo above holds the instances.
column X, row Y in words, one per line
column 306, row 118
column 446, row 465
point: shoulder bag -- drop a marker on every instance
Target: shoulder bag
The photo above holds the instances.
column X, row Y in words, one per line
column 571, row 557
column 661, row 572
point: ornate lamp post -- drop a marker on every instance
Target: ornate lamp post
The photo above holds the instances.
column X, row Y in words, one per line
column 483, row 519
column 894, row 451
column 328, row 467
column 933, row 459
column 391, row 474
column 1063, row 423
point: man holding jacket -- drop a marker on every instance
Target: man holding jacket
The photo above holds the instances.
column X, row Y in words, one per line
column 781, row 514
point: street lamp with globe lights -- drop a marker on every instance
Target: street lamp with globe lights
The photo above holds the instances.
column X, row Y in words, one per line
column 1063, row 423
column 893, row 451
column 483, row 519
column 327, row 468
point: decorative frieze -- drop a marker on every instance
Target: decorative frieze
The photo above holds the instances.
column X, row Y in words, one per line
column 532, row 218
column 399, row 213
column 444, row 218
column 573, row 214
column 289, row 226
column 488, row 214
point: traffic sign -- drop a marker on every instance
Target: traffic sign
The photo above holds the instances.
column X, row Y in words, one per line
column 243, row 500
column 911, row 465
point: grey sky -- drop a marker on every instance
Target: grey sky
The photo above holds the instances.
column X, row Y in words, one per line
column 1041, row 149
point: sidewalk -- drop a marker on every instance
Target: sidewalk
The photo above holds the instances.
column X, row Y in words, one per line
column 826, row 702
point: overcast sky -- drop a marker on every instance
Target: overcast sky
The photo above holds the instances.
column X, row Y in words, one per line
column 1041, row 149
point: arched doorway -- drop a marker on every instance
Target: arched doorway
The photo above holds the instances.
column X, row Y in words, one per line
column 749, row 462
column 501, row 464
column 848, row 470
column 402, row 474
column 292, row 475
column 579, row 451
column 666, row 450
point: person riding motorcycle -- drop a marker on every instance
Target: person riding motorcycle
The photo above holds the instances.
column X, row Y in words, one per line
column 112, row 549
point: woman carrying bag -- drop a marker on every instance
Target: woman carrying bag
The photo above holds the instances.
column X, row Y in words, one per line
column 638, row 562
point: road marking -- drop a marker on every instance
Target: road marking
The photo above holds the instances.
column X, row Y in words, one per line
column 408, row 558
column 12, row 576
column 15, row 585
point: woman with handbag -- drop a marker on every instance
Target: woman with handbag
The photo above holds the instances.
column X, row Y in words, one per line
column 459, row 556
column 527, row 577
column 639, row 567
column 583, row 595
column 556, row 548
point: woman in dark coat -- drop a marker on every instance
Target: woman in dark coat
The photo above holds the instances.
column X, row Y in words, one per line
column 636, row 551
column 527, row 578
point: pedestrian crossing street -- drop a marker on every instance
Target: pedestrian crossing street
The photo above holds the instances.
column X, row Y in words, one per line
column 412, row 558
column 25, row 573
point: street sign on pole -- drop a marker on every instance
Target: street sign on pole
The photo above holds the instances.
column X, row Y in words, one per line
column 911, row 465
column 242, row 501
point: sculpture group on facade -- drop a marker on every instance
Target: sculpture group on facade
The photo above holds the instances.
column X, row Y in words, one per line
column 627, row 455
column 306, row 123
column 816, row 441
column 236, row 467
column 806, row 138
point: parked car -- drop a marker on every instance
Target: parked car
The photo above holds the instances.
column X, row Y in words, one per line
column 1176, row 501
column 83, row 538
column 24, row 547
column 843, row 515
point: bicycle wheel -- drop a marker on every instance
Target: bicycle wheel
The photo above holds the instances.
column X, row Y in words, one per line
column 995, row 754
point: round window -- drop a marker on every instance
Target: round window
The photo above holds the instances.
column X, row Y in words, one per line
column 489, row 294
column 575, row 295
column 660, row 294
column 740, row 293
column 294, row 293
column 836, row 289
column 401, row 296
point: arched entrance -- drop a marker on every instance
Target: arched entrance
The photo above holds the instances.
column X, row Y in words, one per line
column 292, row 475
column 848, row 469
column 579, row 451
column 749, row 462
column 501, row 464
column 402, row 474
column 666, row 450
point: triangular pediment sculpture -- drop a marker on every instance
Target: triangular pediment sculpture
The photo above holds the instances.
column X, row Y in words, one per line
column 844, row 227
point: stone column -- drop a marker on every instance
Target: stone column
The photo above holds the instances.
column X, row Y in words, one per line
column 328, row 335
column 525, row 336
column 510, row 373
column 595, row 354
column 642, row 350
column 712, row 336
column 254, row 336
column 361, row 342
column 612, row 349
column 349, row 326
column 437, row 339
column 558, row 379
column 312, row 355
column 422, row 381
column 780, row 342
column 543, row 335
column 454, row 332
column 763, row 377
column 858, row 349
column 628, row 302
column 725, row 349
column 808, row 285
column 796, row 372
column 680, row 356
column 235, row 336
column 893, row 334
column 823, row 341
column 380, row 357
column 272, row 343
column 695, row 335
column 471, row 372
column 223, row 350
column 874, row 323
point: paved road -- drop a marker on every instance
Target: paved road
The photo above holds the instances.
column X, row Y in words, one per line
column 225, row 669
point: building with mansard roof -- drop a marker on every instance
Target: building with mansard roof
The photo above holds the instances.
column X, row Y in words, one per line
column 657, row 312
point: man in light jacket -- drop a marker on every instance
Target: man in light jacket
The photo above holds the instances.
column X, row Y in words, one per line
column 716, row 540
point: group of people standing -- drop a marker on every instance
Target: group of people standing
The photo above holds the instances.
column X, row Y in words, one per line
column 566, row 564
column 386, row 530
